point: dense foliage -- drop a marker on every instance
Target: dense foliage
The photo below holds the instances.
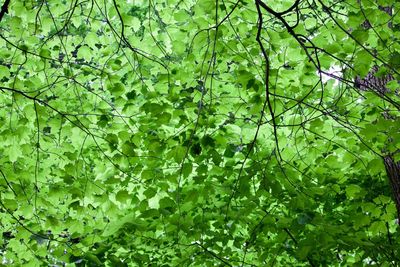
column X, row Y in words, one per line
column 198, row 133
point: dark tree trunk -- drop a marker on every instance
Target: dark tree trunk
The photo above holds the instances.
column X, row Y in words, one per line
column 393, row 172
column 378, row 84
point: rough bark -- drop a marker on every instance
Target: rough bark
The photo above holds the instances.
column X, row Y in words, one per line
column 371, row 82
column 378, row 84
column 393, row 172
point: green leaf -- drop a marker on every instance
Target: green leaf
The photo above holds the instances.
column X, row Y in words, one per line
column 165, row 133
column 116, row 89
column 128, row 149
column 93, row 259
column 187, row 169
column 14, row 152
column 122, row 196
column 353, row 190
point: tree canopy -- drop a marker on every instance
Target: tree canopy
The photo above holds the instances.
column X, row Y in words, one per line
column 199, row 133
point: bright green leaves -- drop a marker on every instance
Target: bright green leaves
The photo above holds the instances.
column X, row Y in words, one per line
column 178, row 153
column 363, row 63
column 181, row 16
column 14, row 152
column 138, row 153
column 394, row 60
column 92, row 259
column 230, row 150
column 187, row 169
column 360, row 34
column 152, row 108
column 147, row 175
column 15, row 24
column 85, row 52
column 135, row 23
column 122, row 196
column 353, row 191
column 378, row 228
column 112, row 140
column 45, row 53
column 116, row 89
column 128, row 149
column 126, row 221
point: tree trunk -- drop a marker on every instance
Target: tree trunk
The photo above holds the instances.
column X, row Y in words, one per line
column 371, row 82
column 393, row 172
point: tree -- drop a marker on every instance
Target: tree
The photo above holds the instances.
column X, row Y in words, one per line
column 179, row 133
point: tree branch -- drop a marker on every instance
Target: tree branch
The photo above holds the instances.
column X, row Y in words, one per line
column 4, row 9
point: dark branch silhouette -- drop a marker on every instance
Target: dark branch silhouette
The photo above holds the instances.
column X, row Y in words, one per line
column 4, row 9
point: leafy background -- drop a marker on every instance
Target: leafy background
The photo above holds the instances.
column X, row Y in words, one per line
column 145, row 133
